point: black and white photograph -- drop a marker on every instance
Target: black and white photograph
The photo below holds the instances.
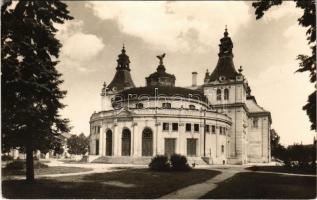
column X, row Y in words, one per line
column 158, row 99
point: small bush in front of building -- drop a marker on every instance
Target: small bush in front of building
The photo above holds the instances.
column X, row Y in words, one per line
column 179, row 163
column 160, row 163
column 6, row 157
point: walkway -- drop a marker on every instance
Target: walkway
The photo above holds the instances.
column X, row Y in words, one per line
column 198, row 190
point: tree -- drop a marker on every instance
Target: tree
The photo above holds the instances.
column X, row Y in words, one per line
column 277, row 150
column 30, row 82
column 78, row 145
column 307, row 63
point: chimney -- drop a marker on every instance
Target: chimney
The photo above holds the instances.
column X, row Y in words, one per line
column 194, row 79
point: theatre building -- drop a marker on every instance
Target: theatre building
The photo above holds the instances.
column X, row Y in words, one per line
column 215, row 122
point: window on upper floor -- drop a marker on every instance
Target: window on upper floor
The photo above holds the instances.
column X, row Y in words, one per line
column 222, row 148
column 196, row 127
column 218, row 94
column 166, row 105
column 226, row 94
column 255, row 122
column 165, row 126
column 207, row 128
column 192, row 107
column 188, row 127
column 98, row 129
column 139, row 105
column 213, row 129
column 220, row 130
column 174, row 126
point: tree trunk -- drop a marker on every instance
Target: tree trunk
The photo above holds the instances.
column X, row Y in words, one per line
column 29, row 164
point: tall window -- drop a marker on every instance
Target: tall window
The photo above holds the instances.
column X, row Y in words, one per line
column 207, row 128
column 213, row 129
column 166, row 105
column 188, row 127
column 218, row 94
column 196, row 127
column 220, row 130
column 174, row 126
column 222, row 148
column 255, row 122
column 226, row 94
column 165, row 126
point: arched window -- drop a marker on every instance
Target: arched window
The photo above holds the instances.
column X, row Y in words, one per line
column 192, row 107
column 218, row 94
column 226, row 95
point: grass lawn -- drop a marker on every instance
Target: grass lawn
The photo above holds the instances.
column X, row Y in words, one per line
column 282, row 169
column 44, row 171
column 127, row 183
column 251, row 185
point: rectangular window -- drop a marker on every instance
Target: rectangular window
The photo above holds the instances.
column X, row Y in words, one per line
column 165, row 126
column 207, row 128
column 175, row 126
column 188, row 127
column 166, row 105
column 196, row 127
column 98, row 129
column 213, row 129
column 220, row 130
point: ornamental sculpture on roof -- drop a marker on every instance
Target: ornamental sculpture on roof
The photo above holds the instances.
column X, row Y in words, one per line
column 161, row 57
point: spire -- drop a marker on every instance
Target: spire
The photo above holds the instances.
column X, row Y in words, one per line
column 225, row 66
column 122, row 79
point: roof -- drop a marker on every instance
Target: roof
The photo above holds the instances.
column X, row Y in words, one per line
column 163, row 91
column 122, row 79
column 160, row 77
column 225, row 67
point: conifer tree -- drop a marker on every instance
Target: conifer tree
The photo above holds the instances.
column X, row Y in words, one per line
column 31, row 97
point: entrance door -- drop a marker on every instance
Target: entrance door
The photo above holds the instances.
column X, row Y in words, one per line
column 126, row 142
column 191, row 147
column 147, row 142
column 109, row 143
column 170, row 146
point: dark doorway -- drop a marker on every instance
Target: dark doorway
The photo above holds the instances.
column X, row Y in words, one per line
column 170, row 146
column 126, row 142
column 191, row 147
column 97, row 147
column 147, row 142
column 109, row 143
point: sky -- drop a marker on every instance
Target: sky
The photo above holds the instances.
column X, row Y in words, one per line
column 189, row 34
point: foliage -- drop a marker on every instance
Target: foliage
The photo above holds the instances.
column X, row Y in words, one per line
column 300, row 156
column 20, row 165
column 30, row 81
column 277, row 150
column 59, row 150
column 78, row 145
column 6, row 157
column 307, row 63
column 160, row 163
column 179, row 163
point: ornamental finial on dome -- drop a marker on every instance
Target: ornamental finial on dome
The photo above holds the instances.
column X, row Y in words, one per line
column 226, row 32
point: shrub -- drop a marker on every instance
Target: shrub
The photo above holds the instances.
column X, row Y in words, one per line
column 6, row 157
column 179, row 163
column 160, row 163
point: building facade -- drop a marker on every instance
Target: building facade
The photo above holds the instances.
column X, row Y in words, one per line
column 217, row 122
